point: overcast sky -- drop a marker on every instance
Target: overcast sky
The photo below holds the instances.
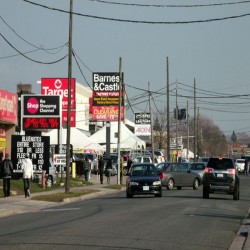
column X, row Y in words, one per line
column 143, row 33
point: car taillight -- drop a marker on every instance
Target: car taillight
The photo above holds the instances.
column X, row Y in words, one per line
column 231, row 171
column 162, row 175
column 208, row 170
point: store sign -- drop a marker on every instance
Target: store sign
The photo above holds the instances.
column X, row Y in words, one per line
column 59, row 86
column 8, row 107
column 30, row 123
column 40, row 105
column 142, row 124
column 107, row 96
column 38, row 147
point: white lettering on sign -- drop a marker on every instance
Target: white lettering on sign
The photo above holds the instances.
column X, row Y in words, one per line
column 61, row 92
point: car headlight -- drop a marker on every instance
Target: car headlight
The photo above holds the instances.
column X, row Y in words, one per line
column 133, row 183
column 156, row 183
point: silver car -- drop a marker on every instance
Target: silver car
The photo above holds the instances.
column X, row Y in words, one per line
column 198, row 167
column 175, row 174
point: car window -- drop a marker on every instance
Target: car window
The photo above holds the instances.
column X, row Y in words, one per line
column 197, row 167
column 183, row 167
column 220, row 164
column 240, row 161
column 144, row 170
column 146, row 159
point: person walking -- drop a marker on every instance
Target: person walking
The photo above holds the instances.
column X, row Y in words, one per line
column 108, row 170
column 101, row 169
column 86, row 168
column 129, row 163
column 246, row 167
column 28, row 175
column 6, row 170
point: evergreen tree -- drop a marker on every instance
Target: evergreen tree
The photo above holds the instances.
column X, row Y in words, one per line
column 233, row 137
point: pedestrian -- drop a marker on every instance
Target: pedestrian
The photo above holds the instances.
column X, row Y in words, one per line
column 6, row 170
column 246, row 167
column 108, row 170
column 86, row 168
column 28, row 175
column 129, row 163
column 101, row 169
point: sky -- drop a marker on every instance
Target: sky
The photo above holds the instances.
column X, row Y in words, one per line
column 206, row 42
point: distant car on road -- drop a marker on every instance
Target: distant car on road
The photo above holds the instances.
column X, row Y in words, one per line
column 240, row 165
column 143, row 179
column 178, row 174
column 221, row 177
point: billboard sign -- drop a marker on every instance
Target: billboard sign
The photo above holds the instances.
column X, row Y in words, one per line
column 8, row 107
column 38, row 147
column 142, row 124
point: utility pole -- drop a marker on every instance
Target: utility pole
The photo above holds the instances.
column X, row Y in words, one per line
column 187, row 118
column 119, row 123
column 195, row 129
column 176, row 122
column 151, row 124
column 69, row 98
column 168, row 122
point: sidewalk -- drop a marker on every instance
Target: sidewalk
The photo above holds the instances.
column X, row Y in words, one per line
column 20, row 204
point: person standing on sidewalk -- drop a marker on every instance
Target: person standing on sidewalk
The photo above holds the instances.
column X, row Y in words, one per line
column 28, row 175
column 86, row 168
column 108, row 170
column 246, row 168
column 101, row 168
column 6, row 170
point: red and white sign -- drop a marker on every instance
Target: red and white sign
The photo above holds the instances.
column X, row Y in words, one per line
column 59, row 86
column 144, row 130
column 106, row 113
column 8, row 107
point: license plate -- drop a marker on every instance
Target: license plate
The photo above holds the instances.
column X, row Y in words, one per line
column 220, row 175
column 145, row 188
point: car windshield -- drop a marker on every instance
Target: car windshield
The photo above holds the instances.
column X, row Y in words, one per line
column 144, row 170
column 240, row 161
column 220, row 164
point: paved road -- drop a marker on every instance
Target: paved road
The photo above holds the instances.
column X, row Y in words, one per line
column 181, row 219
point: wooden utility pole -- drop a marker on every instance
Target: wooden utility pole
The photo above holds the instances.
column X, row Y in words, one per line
column 168, row 120
column 176, row 122
column 119, row 124
column 151, row 124
column 187, row 119
column 195, row 123
column 69, row 98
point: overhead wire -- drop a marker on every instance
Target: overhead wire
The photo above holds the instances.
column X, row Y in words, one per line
column 140, row 21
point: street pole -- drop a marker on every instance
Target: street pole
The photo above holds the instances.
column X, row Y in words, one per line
column 195, row 129
column 176, row 122
column 69, row 98
column 168, row 123
column 151, row 124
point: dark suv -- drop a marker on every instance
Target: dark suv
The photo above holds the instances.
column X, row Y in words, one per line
column 221, row 176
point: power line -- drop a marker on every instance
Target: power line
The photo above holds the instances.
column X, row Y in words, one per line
column 170, row 5
column 141, row 21
column 36, row 61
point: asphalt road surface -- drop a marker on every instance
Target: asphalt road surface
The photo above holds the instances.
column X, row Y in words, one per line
column 181, row 219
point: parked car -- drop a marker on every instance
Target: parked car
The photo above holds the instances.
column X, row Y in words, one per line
column 177, row 174
column 144, row 159
column 50, row 177
column 198, row 167
column 240, row 165
column 159, row 155
column 143, row 179
column 221, row 177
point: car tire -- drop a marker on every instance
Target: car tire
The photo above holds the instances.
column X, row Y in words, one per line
column 159, row 195
column 170, row 184
column 236, row 194
column 196, row 184
column 205, row 193
column 129, row 195
column 179, row 188
column 49, row 181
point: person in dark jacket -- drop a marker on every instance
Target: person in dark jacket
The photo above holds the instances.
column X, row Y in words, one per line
column 86, row 168
column 6, row 170
column 246, row 168
column 101, row 169
column 108, row 170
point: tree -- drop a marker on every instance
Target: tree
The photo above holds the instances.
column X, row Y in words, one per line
column 233, row 137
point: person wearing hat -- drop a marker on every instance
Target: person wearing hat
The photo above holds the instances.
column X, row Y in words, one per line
column 28, row 175
column 6, row 170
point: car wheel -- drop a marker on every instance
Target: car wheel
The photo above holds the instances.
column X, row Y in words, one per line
column 196, row 184
column 49, row 181
column 179, row 188
column 129, row 195
column 159, row 195
column 170, row 184
column 205, row 193
column 236, row 194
